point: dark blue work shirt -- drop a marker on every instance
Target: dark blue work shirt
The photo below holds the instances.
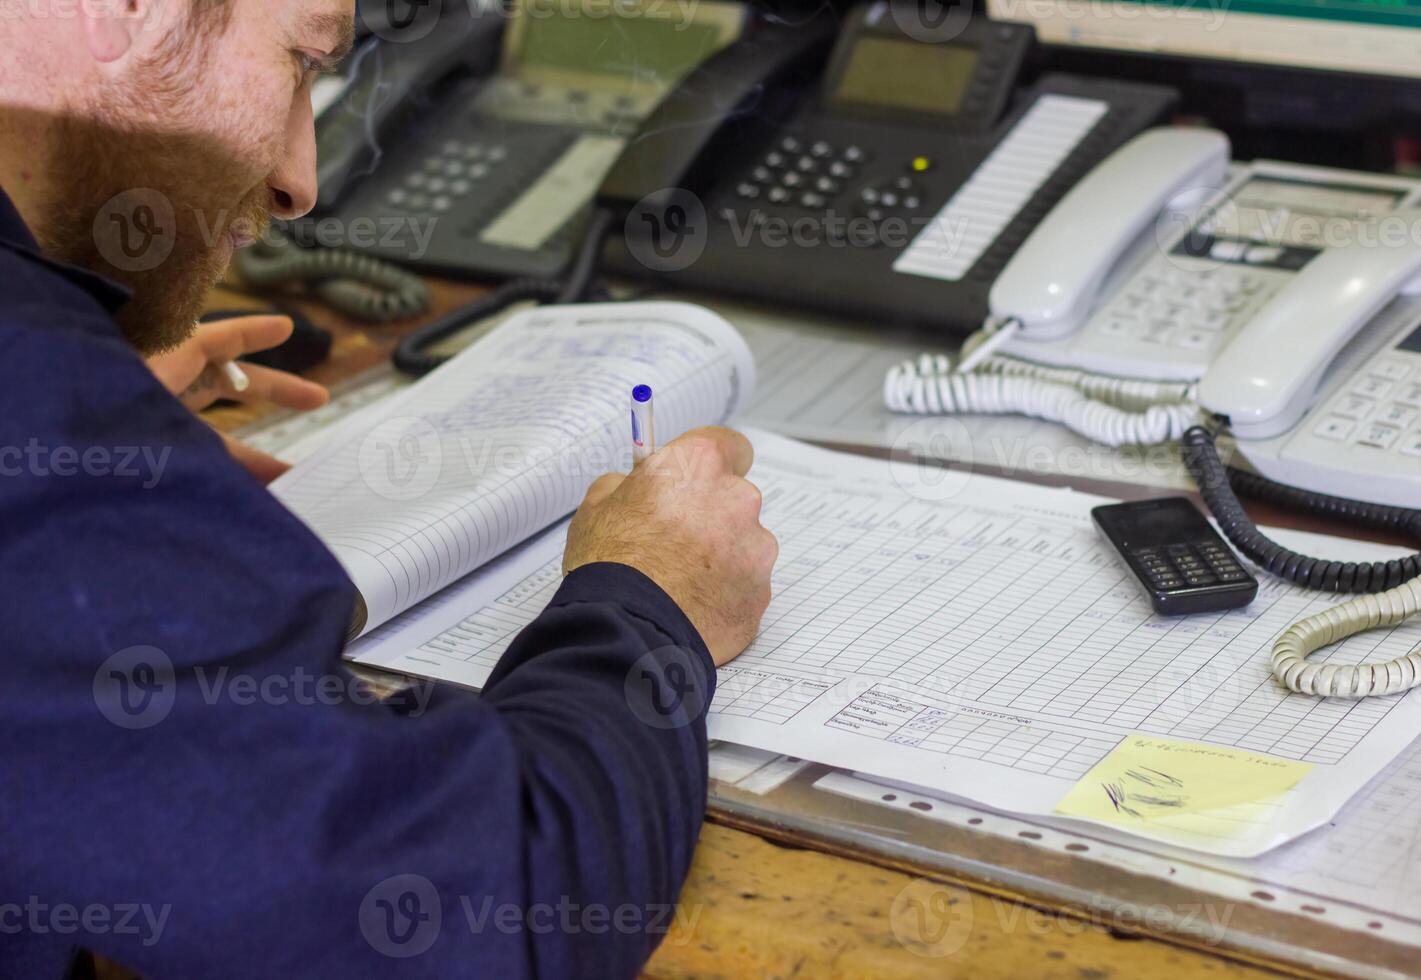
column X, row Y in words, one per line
column 190, row 785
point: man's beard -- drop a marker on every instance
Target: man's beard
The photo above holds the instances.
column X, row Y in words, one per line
column 151, row 210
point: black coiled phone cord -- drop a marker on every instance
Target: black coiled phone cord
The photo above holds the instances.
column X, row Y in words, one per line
column 1220, row 486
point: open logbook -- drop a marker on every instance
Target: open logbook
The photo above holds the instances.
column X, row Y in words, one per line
column 504, row 440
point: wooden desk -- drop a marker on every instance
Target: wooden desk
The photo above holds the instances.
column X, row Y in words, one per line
column 754, row 908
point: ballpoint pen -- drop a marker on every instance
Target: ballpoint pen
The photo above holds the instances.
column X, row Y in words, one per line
column 643, row 424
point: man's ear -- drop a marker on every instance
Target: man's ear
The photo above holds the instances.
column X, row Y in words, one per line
column 111, row 26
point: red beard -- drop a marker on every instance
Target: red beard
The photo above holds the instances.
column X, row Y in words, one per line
column 153, row 213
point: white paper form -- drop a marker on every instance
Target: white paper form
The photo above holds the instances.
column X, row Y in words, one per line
column 504, row 440
column 980, row 639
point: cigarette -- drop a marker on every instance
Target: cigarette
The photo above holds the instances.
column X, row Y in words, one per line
column 237, row 376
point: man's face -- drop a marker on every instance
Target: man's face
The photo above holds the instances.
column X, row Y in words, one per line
column 187, row 149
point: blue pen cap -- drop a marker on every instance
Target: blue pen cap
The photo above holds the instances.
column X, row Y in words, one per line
column 641, row 393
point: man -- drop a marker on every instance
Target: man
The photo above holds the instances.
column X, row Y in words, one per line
column 166, row 803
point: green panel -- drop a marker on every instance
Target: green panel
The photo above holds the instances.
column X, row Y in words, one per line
column 1398, row 13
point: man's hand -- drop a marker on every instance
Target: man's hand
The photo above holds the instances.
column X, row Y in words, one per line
column 193, row 372
column 688, row 519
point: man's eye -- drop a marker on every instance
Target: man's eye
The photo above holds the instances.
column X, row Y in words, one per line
column 313, row 64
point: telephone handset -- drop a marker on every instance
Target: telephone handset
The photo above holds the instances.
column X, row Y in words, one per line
column 732, row 99
column 1053, row 282
column 1266, row 378
column 1322, row 390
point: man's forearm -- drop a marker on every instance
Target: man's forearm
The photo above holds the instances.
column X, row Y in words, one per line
column 605, row 696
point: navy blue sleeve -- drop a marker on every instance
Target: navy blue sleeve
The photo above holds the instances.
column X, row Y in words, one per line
column 193, row 785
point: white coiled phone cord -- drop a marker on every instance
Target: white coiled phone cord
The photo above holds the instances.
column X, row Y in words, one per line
column 1112, row 411
column 1365, row 612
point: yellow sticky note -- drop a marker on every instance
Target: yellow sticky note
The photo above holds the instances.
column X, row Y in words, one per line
column 1190, row 787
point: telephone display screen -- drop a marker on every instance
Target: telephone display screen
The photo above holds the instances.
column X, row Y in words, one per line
column 889, row 73
column 657, row 48
column 1299, row 213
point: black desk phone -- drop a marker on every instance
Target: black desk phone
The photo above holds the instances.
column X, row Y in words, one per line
column 897, row 191
column 474, row 150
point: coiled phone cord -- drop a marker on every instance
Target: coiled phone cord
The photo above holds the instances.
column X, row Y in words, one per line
column 412, row 354
column 1113, row 411
column 1217, row 483
column 1291, row 667
column 357, row 285
column 1393, row 587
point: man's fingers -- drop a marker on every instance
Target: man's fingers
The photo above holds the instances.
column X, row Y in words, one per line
column 286, row 390
column 602, row 488
column 226, row 340
column 265, row 468
column 732, row 447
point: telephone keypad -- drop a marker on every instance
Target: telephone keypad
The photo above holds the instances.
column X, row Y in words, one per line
column 1380, row 409
column 815, row 175
column 1186, row 309
column 446, row 176
column 1203, row 563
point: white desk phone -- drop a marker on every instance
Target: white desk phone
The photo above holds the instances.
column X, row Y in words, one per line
column 1274, row 301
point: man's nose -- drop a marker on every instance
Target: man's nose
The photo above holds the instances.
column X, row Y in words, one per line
column 293, row 182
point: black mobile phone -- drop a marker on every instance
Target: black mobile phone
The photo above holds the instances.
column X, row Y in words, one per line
column 1182, row 562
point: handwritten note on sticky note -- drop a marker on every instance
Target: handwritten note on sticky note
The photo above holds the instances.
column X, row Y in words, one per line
column 1189, row 787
